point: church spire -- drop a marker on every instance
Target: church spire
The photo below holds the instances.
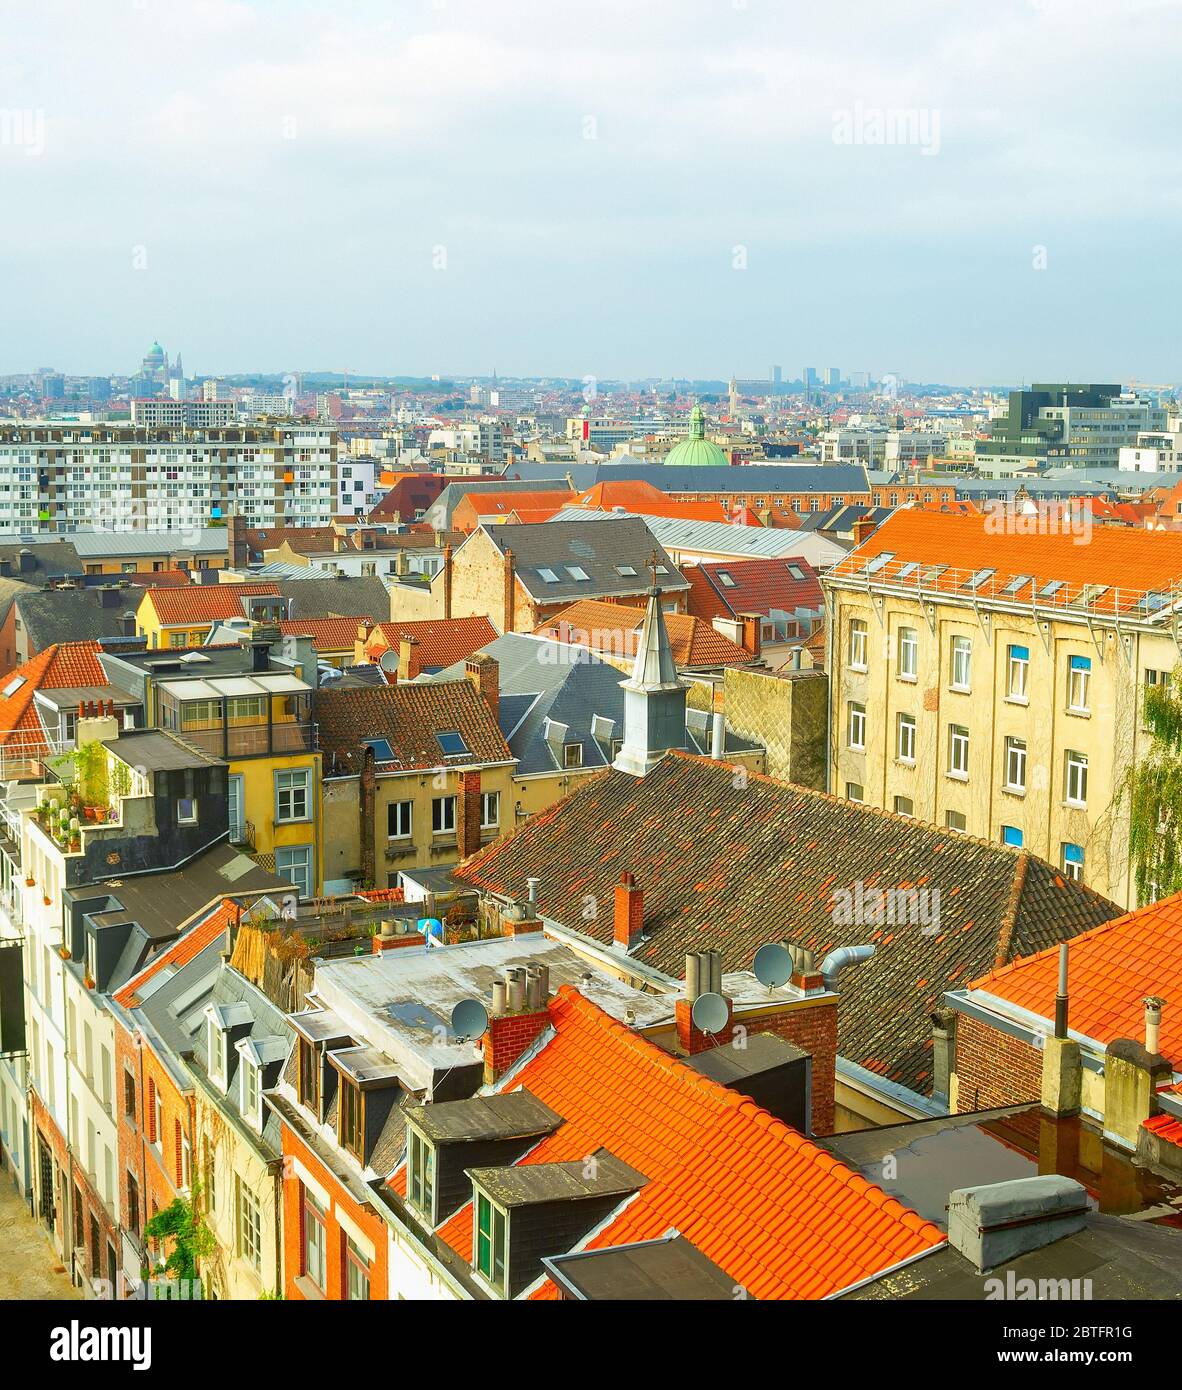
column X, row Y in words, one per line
column 654, row 696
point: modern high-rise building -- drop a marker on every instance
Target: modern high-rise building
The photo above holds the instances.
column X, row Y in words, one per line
column 165, row 412
column 1080, row 426
column 832, row 376
column 59, row 478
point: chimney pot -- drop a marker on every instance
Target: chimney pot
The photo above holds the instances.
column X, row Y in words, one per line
column 1153, row 1008
column 628, row 923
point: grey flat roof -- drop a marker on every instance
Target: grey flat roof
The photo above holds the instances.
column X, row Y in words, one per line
column 669, row 1269
column 761, row 1052
column 513, row 1115
column 205, row 540
column 524, row 1184
column 156, row 750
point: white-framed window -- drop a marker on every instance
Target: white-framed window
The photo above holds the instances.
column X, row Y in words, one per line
column 186, row 1163
column 1017, row 671
column 853, row 792
column 958, row 750
column 1072, row 860
column 249, row 1223
column 157, row 1119
column 856, row 726
column 905, row 746
column 443, row 815
column 399, row 820
column 216, row 1045
column 315, row 1242
column 956, row 820
column 904, row 806
column 1015, row 769
column 250, row 1097
column 858, row 644
column 420, row 1172
column 1076, row 779
column 186, row 810
column 1079, row 676
column 291, row 795
column 908, row 653
column 491, row 1243
column 572, row 755
column 294, row 862
column 962, row 659
column 490, row 810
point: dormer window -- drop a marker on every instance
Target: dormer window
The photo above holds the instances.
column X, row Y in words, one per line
column 352, row 1127
column 186, row 810
column 492, row 1241
column 250, row 1098
column 219, row 1069
column 420, row 1173
column 572, row 755
column 309, row 1076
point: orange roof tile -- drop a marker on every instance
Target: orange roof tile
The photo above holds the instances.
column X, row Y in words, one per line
column 1165, row 1127
column 439, row 642
column 184, row 949
column 781, row 1216
column 644, row 499
column 614, row 630
column 1111, row 969
column 328, row 634
column 59, row 667
column 203, row 603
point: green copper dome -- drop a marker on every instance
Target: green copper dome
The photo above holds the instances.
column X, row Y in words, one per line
column 697, row 451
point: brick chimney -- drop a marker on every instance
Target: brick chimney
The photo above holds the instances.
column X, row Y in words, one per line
column 518, row 1015
column 510, row 592
column 406, row 660
column 468, row 814
column 447, row 581
column 237, row 547
column 752, row 632
column 484, row 672
column 863, row 528
column 629, row 912
column 367, row 811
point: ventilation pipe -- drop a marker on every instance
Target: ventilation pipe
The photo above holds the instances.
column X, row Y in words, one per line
column 836, row 961
column 1153, row 1008
column 718, row 738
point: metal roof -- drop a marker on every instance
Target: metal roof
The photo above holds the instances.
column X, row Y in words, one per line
column 201, row 540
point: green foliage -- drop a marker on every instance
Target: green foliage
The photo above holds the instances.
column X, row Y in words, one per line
column 181, row 1223
column 1154, row 789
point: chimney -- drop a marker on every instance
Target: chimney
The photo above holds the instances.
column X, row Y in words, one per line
column 484, row 673
column 468, row 814
column 863, row 529
column 510, row 593
column 703, row 975
column 237, row 548
column 406, row 646
column 752, row 633
column 28, row 562
column 1153, row 1008
column 447, row 581
column 629, row 912
column 518, row 1015
column 994, row 1224
column 367, row 814
column 109, row 596
column 943, row 1053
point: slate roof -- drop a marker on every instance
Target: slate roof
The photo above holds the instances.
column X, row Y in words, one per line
column 1110, row 971
column 783, row 1218
column 183, row 950
column 72, row 615
column 614, row 628
column 343, row 596
column 725, row 480
column 757, row 586
column 733, row 865
column 408, row 717
column 51, row 560
column 598, row 546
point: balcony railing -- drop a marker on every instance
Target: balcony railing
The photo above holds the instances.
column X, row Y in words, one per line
column 254, row 740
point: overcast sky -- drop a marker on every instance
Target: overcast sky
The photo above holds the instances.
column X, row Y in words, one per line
column 623, row 187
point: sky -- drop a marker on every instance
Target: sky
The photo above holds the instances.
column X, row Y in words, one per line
column 966, row 191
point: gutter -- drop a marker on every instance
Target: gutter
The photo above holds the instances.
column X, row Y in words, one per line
column 884, row 1273
column 891, row 1092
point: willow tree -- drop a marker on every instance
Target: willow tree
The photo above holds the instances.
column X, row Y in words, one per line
column 1155, row 794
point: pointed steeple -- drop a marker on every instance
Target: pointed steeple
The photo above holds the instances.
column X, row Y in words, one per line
column 654, row 697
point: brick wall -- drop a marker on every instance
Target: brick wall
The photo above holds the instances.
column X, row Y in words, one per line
column 508, row 1037
column 993, row 1068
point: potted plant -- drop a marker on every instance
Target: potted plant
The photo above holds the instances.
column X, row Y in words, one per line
column 88, row 980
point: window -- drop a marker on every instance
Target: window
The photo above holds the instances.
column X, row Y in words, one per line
column 309, row 1076
column 443, row 815
column 420, row 1172
column 1012, row 836
column 314, row 1241
column 1072, row 861
column 186, row 1162
column 904, row 806
column 958, row 750
column 548, row 575
column 291, row 795
column 218, row 1063
column 295, row 864
column 157, row 1117
column 905, row 746
column 490, row 1241
column 350, row 1119
column 577, row 572
column 128, row 1093
column 955, row 820
column 572, row 755
column 452, row 744
column 249, row 1233
column 1015, row 769
column 908, row 653
column 853, row 791
column 1079, row 674
column 1017, row 670
column 1077, row 779
column 356, row 1279
column 490, row 810
column 399, row 820
column 858, row 641
column 857, row 726
column 250, row 1096
column 211, row 1190
column 133, row 1204
column 186, row 810
column 962, row 655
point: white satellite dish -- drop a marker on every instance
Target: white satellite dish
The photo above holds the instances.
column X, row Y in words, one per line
column 710, row 1013
column 469, row 1019
column 772, row 965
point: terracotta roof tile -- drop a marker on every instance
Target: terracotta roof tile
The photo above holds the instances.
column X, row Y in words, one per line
column 59, row 667
column 614, row 630
column 328, row 634
column 438, row 642
column 183, row 950
column 203, row 603
column 757, row 586
column 1165, row 1127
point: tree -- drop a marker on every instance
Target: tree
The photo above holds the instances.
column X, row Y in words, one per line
column 192, row 1240
column 1154, row 788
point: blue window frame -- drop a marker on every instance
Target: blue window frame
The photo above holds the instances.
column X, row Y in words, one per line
column 1012, row 836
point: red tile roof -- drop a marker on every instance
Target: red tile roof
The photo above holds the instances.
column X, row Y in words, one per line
column 60, row 667
column 758, row 587
column 1111, row 969
column 328, row 634
column 614, row 630
column 203, row 603
column 184, row 949
column 1165, row 1127
column 439, row 642
column 1127, row 562
column 782, row 1217
column 644, row 499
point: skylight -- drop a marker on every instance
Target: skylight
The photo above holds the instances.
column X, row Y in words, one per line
column 452, row 744
column 1019, row 581
column 548, row 575
column 977, row 578
column 626, row 571
column 795, row 572
column 382, row 751
column 1051, row 589
column 577, row 572
column 726, row 580
column 13, row 686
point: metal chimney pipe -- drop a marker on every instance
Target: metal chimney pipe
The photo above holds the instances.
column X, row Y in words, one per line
column 516, row 981
column 500, row 996
column 692, row 977
column 1153, row 1008
column 543, row 985
column 1061, row 994
column 716, row 971
column 718, row 737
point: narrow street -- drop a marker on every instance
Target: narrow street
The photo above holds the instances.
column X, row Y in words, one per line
column 27, row 1260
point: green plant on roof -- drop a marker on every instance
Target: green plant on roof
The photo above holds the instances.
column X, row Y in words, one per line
column 180, row 1223
column 1154, row 789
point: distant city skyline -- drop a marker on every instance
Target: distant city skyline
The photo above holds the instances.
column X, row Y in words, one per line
column 971, row 194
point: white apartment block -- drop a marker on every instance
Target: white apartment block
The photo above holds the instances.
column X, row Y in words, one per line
column 1156, row 451
column 257, row 403
column 357, row 485
column 157, row 413
column 56, row 478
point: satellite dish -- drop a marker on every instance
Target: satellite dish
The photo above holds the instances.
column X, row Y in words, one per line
column 710, row 1013
column 773, row 965
column 388, row 660
column 469, row 1019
